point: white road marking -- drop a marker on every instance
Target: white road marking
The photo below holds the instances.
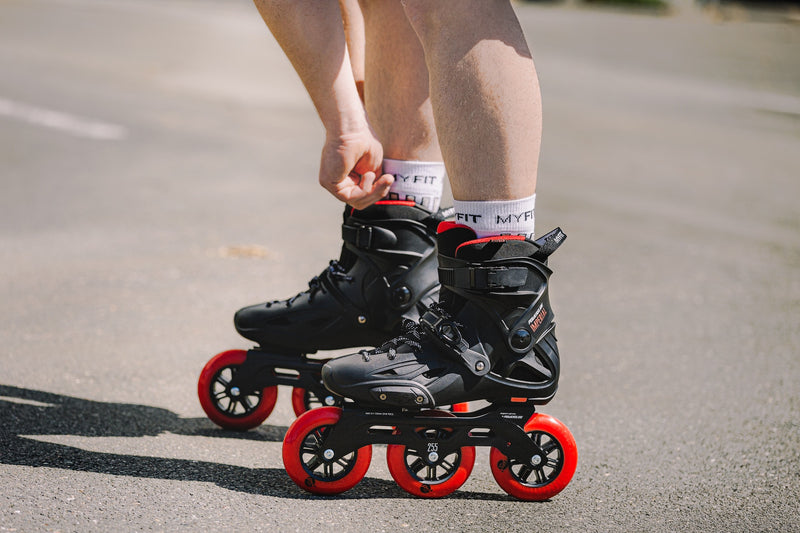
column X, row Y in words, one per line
column 24, row 401
column 61, row 121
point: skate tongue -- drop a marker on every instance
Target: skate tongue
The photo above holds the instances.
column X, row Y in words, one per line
column 459, row 241
column 451, row 236
column 493, row 248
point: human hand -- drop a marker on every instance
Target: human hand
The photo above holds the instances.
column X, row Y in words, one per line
column 350, row 168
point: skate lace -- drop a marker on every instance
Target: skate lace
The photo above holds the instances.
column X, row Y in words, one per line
column 412, row 334
column 335, row 272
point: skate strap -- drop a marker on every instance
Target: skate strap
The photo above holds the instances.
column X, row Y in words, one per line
column 446, row 212
column 548, row 244
column 439, row 217
column 368, row 237
column 482, row 278
column 446, row 334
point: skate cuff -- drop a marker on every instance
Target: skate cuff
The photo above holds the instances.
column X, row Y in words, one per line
column 368, row 237
column 484, row 277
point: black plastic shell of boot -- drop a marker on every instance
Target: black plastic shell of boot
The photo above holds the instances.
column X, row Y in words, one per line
column 496, row 295
column 386, row 268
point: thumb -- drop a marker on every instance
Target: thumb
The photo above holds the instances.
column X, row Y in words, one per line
column 383, row 184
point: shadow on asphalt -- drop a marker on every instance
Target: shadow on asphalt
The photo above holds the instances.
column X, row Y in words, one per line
column 26, row 412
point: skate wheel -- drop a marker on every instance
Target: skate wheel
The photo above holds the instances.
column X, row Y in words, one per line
column 424, row 473
column 551, row 474
column 303, row 455
column 301, row 400
column 304, row 400
column 227, row 407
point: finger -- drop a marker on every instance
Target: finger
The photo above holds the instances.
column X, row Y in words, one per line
column 367, row 181
column 370, row 161
column 359, row 199
column 350, row 192
column 383, row 184
column 380, row 188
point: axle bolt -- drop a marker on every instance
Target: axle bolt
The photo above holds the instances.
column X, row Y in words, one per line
column 235, row 391
column 433, row 457
column 328, row 454
column 329, row 400
column 362, row 319
column 536, row 460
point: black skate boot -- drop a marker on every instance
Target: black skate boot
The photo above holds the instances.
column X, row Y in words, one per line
column 386, row 270
column 386, row 273
column 491, row 337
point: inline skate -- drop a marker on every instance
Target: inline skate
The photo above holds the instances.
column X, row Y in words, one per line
column 386, row 273
column 491, row 337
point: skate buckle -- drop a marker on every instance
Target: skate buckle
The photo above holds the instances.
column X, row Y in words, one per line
column 442, row 328
column 484, row 278
column 430, row 320
column 368, row 237
column 449, row 337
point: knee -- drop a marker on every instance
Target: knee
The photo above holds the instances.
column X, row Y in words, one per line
column 448, row 19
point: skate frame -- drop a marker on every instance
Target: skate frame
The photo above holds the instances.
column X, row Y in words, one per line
column 496, row 425
column 263, row 369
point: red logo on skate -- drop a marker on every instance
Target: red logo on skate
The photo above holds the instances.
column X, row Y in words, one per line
column 538, row 318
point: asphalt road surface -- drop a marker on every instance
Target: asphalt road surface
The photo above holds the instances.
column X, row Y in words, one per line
column 159, row 172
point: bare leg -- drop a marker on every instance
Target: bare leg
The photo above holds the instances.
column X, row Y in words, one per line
column 485, row 95
column 353, row 21
column 397, row 96
column 310, row 33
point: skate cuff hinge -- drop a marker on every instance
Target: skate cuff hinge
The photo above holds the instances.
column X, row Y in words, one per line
column 446, row 334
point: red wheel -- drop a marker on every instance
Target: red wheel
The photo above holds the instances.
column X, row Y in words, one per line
column 304, row 460
column 426, row 473
column 227, row 406
column 304, row 400
column 550, row 474
column 301, row 400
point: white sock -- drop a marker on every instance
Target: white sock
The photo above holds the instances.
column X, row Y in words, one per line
column 497, row 217
column 418, row 181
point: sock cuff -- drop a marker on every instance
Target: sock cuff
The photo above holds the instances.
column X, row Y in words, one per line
column 391, row 166
column 419, row 181
column 497, row 217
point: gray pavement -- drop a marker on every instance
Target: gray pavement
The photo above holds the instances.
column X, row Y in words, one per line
column 154, row 157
